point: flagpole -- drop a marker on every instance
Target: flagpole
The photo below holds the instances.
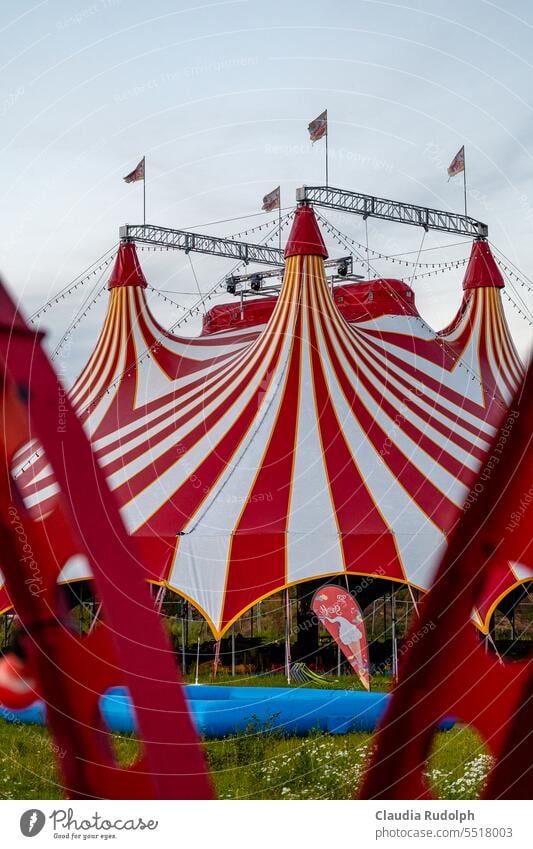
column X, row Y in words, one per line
column 279, row 220
column 144, row 192
column 464, row 178
column 326, row 155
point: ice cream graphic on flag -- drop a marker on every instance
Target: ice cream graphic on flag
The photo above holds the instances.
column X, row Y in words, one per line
column 340, row 614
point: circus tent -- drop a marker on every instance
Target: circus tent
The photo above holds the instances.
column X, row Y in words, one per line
column 480, row 336
column 314, row 434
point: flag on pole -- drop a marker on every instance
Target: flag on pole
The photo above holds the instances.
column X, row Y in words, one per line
column 272, row 200
column 458, row 163
column 136, row 174
column 319, row 127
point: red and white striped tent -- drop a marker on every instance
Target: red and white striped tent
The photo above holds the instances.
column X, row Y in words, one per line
column 313, row 435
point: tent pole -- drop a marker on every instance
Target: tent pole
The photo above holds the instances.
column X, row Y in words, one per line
column 159, row 598
column 183, row 650
column 197, row 660
column 217, row 658
column 411, row 593
column 94, row 623
column 287, row 636
column 493, row 644
column 233, row 651
column 186, row 632
column 393, row 633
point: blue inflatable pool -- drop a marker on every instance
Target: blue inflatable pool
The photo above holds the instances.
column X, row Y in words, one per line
column 219, row 711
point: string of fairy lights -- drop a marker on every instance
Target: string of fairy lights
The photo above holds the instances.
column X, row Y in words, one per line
column 526, row 316
column 191, row 313
column 361, row 254
column 280, row 225
column 162, row 294
column 364, row 262
column 221, row 284
column 445, row 346
column 525, row 281
column 399, row 259
column 108, row 257
column 511, row 274
column 77, row 321
column 513, row 277
column 97, row 266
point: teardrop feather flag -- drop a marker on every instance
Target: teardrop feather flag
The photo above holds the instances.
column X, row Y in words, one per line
column 340, row 614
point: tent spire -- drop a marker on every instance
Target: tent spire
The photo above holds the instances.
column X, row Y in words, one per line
column 482, row 271
column 305, row 237
column 127, row 270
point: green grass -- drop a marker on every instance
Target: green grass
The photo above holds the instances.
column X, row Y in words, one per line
column 344, row 682
column 255, row 765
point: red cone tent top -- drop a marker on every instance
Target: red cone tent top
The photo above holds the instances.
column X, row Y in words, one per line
column 482, row 271
column 305, row 237
column 479, row 334
column 127, row 271
column 254, row 458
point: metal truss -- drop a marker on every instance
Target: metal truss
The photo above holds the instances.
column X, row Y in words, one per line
column 254, row 283
column 392, row 210
column 182, row 240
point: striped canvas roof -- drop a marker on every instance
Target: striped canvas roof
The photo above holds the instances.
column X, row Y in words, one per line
column 317, row 443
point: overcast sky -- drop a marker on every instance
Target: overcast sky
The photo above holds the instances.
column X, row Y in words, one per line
column 218, row 96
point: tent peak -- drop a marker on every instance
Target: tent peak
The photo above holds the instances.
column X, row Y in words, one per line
column 127, row 270
column 482, row 271
column 305, row 237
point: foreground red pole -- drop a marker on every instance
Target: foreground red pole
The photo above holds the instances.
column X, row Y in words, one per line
column 446, row 670
column 128, row 647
